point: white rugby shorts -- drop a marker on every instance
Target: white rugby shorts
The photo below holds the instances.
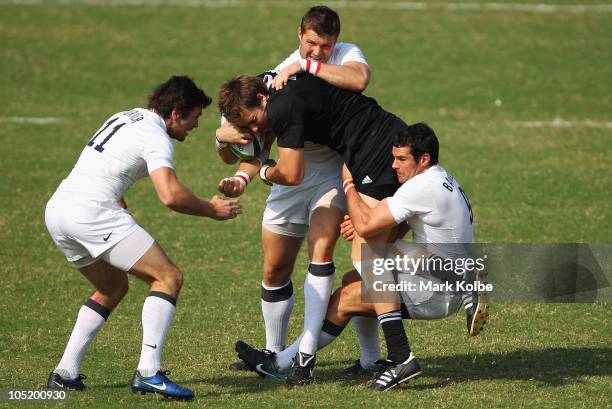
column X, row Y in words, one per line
column 84, row 229
column 296, row 204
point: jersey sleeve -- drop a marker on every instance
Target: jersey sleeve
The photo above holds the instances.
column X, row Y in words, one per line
column 287, row 119
column 411, row 198
column 158, row 152
column 347, row 52
column 293, row 57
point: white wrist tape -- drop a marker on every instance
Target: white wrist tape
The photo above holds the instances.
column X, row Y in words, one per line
column 311, row 66
column 262, row 174
column 243, row 178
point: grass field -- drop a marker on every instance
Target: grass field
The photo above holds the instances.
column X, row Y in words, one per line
column 536, row 167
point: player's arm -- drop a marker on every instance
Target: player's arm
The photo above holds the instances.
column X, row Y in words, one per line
column 235, row 185
column 352, row 75
column 180, row 199
column 247, row 170
column 367, row 221
column 288, row 170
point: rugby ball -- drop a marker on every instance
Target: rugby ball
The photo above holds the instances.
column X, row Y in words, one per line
column 248, row 151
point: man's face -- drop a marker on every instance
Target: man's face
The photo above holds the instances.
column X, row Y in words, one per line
column 314, row 46
column 404, row 164
column 179, row 127
column 254, row 120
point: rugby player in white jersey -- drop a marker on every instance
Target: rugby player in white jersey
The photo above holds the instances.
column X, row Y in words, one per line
column 88, row 220
column 314, row 208
column 436, row 209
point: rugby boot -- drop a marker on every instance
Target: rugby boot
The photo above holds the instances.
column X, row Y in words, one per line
column 262, row 362
column 159, row 383
column 302, row 369
column 393, row 374
column 55, row 381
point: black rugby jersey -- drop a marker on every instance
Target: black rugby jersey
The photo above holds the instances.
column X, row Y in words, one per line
column 310, row 109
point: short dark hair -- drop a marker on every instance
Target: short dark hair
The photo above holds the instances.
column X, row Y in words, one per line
column 322, row 20
column 239, row 93
column 179, row 92
column 421, row 139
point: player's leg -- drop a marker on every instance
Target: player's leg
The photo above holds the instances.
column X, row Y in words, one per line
column 281, row 245
column 388, row 312
column 366, row 327
column 165, row 281
column 111, row 286
column 344, row 304
column 327, row 211
column 318, row 284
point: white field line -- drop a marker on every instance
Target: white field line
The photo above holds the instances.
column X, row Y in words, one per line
column 29, row 120
column 561, row 123
column 380, row 5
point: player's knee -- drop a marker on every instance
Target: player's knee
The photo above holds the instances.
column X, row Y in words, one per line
column 342, row 301
column 322, row 244
column 172, row 279
column 350, row 277
column 275, row 275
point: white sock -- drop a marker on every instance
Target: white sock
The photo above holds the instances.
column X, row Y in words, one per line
column 284, row 358
column 157, row 313
column 276, row 306
column 90, row 319
column 369, row 339
column 317, row 290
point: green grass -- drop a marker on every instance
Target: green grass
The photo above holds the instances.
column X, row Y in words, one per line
column 81, row 63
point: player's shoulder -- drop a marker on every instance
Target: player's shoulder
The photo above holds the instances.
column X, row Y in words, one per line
column 345, row 52
column 342, row 46
column 147, row 127
column 422, row 183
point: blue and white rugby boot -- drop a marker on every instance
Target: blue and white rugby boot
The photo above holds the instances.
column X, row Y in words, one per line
column 159, row 383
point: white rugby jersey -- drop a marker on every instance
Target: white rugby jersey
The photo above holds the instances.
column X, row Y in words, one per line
column 437, row 210
column 127, row 147
column 318, row 156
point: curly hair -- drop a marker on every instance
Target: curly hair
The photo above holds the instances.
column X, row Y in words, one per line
column 179, row 92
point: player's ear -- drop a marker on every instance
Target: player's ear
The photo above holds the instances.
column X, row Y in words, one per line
column 261, row 98
column 300, row 33
column 425, row 160
column 174, row 115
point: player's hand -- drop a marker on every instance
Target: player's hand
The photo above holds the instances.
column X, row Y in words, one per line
column 232, row 187
column 224, row 209
column 346, row 228
column 346, row 173
column 228, row 133
column 281, row 79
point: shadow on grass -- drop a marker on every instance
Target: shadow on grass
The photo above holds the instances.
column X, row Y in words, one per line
column 549, row 367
